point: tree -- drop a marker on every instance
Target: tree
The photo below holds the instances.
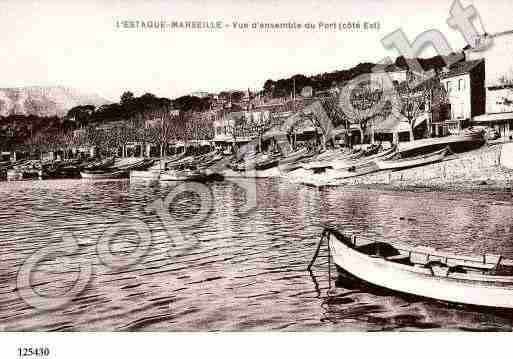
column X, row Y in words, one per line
column 66, row 141
column 81, row 114
column 269, row 87
column 361, row 102
column 126, row 98
column 417, row 97
column 143, row 131
column 237, row 96
column 164, row 130
column 97, row 138
column 121, row 135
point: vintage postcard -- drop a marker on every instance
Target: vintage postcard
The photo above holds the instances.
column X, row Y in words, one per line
column 254, row 166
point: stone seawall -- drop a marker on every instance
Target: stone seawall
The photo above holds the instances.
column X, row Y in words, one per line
column 477, row 169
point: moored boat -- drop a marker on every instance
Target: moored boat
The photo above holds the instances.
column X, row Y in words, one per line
column 469, row 139
column 103, row 174
column 181, row 175
column 327, row 161
column 118, row 170
column 485, row 280
column 295, row 156
column 99, row 164
column 353, row 164
column 266, row 161
column 409, row 162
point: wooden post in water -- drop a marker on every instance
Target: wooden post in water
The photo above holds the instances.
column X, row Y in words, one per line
column 329, row 261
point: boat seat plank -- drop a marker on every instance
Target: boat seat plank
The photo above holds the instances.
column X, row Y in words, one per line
column 484, row 266
column 419, row 258
column 398, row 257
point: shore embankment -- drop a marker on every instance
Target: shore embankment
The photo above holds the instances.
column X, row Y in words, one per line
column 488, row 167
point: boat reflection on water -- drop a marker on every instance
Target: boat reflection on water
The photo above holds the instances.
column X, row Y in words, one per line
column 349, row 302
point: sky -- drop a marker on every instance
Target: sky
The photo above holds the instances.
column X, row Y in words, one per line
column 77, row 43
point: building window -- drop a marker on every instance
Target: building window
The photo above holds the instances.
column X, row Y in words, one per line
column 461, row 84
column 449, row 87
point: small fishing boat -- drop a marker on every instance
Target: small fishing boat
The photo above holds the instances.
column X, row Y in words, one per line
column 152, row 173
column 328, row 162
column 63, row 170
column 99, row 164
column 353, row 164
column 103, row 174
column 470, row 139
column 119, row 170
column 295, row 160
column 181, row 175
column 409, row 162
column 210, row 161
column 294, row 156
column 266, row 161
column 485, row 280
column 246, row 163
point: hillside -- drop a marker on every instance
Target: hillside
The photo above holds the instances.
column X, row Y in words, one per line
column 44, row 101
column 322, row 82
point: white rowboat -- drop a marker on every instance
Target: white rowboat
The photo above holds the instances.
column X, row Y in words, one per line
column 485, row 280
column 185, row 175
column 410, row 162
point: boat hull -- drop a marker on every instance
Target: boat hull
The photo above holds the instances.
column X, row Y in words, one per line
column 145, row 175
column 104, row 175
column 413, row 162
column 180, row 176
column 419, row 281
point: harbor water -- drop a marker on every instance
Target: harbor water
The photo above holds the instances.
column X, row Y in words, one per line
column 229, row 261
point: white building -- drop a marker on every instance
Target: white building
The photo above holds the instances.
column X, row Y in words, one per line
column 498, row 81
column 307, row 91
column 464, row 86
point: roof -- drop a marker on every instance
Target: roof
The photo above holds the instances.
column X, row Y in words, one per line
column 461, row 68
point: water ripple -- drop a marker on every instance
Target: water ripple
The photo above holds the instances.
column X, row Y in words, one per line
column 243, row 272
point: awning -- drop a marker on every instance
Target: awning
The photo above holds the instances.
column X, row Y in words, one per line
column 421, row 119
column 493, row 117
column 223, row 138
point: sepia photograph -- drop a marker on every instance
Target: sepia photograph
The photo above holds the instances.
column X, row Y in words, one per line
column 189, row 167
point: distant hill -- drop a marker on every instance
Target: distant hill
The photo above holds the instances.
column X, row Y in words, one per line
column 44, row 101
column 322, row 82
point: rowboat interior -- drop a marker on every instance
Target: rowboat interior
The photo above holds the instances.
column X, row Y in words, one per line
column 427, row 260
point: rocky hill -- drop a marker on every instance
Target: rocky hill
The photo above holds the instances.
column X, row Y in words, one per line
column 44, row 101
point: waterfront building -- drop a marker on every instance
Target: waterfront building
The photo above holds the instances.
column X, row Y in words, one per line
column 496, row 50
column 5, row 156
column 464, row 86
column 307, row 92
